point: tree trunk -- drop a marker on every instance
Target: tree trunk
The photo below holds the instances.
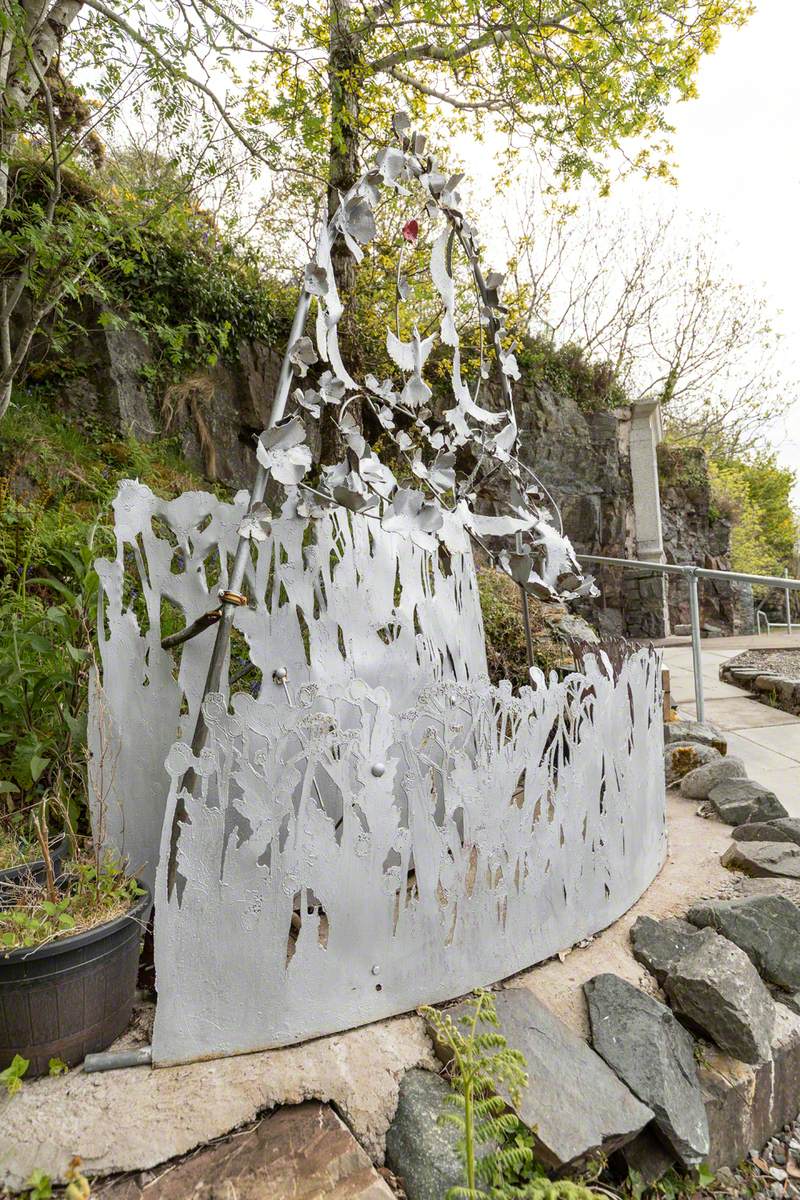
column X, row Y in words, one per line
column 344, row 61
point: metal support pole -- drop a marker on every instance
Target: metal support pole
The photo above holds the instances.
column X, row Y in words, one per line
column 788, row 604
column 240, row 560
column 526, row 616
column 697, row 661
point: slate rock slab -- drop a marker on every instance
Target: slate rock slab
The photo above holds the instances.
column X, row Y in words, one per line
column 653, row 1054
column 695, row 731
column 782, row 829
column 421, row 1152
column 574, row 1103
column 716, row 988
column 739, row 801
column 764, row 858
column 790, row 999
column 698, row 783
column 767, row 928
column 659, row 944
column 683, row 757
column 301, row 1152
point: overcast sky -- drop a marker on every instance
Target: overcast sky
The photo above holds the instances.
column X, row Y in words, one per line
column 738, row 158
column 737, row 154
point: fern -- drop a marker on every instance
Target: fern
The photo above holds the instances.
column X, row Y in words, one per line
column 481, row 1065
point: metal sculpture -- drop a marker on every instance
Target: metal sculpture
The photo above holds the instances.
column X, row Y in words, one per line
column 371, row 825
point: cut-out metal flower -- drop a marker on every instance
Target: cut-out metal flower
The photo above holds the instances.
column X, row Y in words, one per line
column 302, row 355
column 282, row 453
column 412, row 514
column 257, row 523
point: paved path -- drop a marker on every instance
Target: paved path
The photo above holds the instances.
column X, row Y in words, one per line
column 767, row 739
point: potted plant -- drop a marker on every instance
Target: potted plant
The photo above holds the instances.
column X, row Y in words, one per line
column 69, row 952
column 21, row 857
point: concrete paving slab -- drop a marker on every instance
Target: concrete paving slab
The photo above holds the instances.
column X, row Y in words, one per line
column 741, row 713
column 682, row 688
column 786, row 786
column 782, row 739
column 758, row 758
column 766, row 739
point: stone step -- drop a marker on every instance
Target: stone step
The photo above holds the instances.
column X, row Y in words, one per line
column 301, row 1152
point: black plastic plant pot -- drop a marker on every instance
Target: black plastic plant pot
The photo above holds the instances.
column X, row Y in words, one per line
column 13, row 876
column 72, row 996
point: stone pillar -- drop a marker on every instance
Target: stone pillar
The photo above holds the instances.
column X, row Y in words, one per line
column 647, row 611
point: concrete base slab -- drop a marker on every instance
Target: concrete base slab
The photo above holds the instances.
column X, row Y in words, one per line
column 134, row 1119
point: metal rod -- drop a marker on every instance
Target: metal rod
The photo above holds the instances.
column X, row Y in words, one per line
column 773, row 581
column 697, row 661
column 526, row 616
column 114, row 1060
column 234, row 584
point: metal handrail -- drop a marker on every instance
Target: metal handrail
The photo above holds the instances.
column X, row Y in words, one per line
column 692, row 575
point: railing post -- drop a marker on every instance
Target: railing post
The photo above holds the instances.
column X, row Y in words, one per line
column 788, row 603
column 697, row 662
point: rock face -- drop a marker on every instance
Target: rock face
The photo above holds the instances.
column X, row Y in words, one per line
column 767, row 928
column 658, row 945
column 653, row 1054
column 698, row 784
column 423, row 1153
column 111, row 383
column 693, row 533
column 764, row 858
column 718, row 990
column 574, row 1104
column 738, row 801
column 298, row 1153
column 682, row 757
column 695, row 731
column 783, row 829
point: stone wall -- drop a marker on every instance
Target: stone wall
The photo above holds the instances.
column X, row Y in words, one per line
column 694, row 532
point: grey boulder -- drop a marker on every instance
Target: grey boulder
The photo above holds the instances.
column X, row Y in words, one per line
column 683, row 757
column 739, row 801
column 764, row 859
column 653, row 1054
column 767, row 928
column 659, row 944
column 695, row 731
column 782, row 829
column 422, row 1151
column 716, row 989
column 698, row 783
column 574, row 1104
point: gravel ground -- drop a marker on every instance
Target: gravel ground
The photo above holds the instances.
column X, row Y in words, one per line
column 783, row 662
column 773, row 1172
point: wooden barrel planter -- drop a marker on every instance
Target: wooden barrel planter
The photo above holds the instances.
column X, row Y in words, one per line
column 72, row 996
